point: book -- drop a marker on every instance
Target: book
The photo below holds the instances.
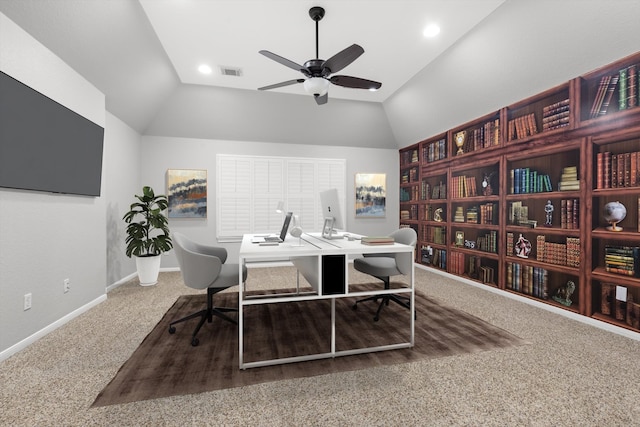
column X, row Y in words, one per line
column 377, row 240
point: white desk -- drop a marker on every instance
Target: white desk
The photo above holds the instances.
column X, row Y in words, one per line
column 307, row 254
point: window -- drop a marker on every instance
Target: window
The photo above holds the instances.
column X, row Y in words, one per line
column 250, row 187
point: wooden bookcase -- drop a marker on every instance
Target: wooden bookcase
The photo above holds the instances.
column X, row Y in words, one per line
column 534, row 178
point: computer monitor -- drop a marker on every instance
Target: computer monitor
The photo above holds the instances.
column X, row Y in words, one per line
column 331, row 209
column 285, row 225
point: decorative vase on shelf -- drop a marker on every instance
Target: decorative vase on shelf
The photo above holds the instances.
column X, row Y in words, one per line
column 460, row 137
column 614, row 212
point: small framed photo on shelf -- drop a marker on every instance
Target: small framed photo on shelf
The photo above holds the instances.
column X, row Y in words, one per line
column 459, row 238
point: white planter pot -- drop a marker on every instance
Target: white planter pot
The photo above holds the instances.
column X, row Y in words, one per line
column 148, row 269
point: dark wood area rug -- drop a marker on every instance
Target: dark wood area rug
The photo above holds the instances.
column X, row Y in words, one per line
column 167, row 365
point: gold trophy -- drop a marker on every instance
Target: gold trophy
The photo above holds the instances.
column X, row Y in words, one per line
column 460, row 137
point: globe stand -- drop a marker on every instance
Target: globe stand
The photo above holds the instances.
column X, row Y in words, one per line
column 614, row 227
column 614, row 213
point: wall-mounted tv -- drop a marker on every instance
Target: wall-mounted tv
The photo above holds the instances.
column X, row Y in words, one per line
column 44, row 146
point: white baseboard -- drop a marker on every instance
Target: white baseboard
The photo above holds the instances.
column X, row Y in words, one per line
column 133, row 276
column 50, row 328
column 571, row 315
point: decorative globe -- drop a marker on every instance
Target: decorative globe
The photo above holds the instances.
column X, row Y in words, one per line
column 614, row 212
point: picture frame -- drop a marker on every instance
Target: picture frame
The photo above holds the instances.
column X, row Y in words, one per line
column 370, row 195
column 187, row 193
column 459, row 238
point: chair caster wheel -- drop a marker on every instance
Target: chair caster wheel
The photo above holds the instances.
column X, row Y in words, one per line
column 375, row 319
column 195, row 342
column 172, row 329
column 355, row 306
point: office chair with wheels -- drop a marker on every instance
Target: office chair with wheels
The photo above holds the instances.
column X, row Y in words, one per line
column 383, row 266
column 204, row 267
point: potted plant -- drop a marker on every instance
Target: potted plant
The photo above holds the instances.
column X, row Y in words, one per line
column 147, row 234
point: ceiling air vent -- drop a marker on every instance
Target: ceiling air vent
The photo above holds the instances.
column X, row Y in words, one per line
column 230, row 71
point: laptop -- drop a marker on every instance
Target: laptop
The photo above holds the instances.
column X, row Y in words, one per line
column 272, row 238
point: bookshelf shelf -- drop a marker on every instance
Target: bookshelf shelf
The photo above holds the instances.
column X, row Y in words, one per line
column 548, row 182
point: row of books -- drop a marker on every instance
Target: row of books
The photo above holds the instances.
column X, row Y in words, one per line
column 463, row 186
column 439, row 258
column 625, row 311
column 434, row 151
column 559, row 253
column 626, row 81
column 485, row 136
column 434, row 234
column 438, row 191
column 522, row 127
column 409, row 214
column 556, row 115
column 629, row 88
column 519, row 215
column 570, row 214
column 456, row 263
column 527, row 279
column 407, row 157
column 409, row 175
column 488, row 242
column 527, row 180
column 617, row 170
column 624, row 260
column 569, row 179
column 408, row 194
column 605, row 92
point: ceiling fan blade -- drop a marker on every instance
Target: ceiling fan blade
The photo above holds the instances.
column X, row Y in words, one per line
column 322, row 99
column 354, row 82
column 284, row 61
column 343, row 58
column 287, row 83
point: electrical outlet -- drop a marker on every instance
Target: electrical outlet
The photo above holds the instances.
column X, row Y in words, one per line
column 66, row 285
column 27, row 301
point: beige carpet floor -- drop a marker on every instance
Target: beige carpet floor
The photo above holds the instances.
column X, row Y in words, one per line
column 569, row 374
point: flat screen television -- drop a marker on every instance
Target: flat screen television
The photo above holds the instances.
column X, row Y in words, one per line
column 44, row 146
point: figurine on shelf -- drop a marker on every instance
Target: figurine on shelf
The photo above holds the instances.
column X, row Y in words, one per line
column 523, row 247
column 548, row 210
column 563, row 294
column 487, row 190
column 437, row 215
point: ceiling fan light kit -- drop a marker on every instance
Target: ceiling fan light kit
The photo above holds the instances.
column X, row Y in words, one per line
column 318, row 72
column 316, row 86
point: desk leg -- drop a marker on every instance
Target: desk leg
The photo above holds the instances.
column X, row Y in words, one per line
column 240, row 314
column 413, row 300
column 333, row 327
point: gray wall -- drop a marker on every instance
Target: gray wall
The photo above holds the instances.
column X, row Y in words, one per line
column 523, row 48
column 122, row 169
column 162, row 153
column 242, row 115
column 46, row 238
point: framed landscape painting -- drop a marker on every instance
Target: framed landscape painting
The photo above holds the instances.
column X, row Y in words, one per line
column 187, row 193
column 371, row 193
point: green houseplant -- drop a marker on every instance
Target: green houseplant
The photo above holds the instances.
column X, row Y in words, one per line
column 147, row 234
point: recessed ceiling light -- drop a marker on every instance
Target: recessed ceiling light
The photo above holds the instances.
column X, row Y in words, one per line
column 205, row 69
column 431, row 30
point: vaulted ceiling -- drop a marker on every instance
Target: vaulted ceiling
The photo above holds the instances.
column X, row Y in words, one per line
column 143, row 54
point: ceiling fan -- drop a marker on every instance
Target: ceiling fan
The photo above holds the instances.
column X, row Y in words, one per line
column 318, row 72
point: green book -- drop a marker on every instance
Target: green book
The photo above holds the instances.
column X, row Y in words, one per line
column 622, row 98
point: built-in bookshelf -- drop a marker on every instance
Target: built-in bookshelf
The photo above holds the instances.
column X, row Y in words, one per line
column 515, row 199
